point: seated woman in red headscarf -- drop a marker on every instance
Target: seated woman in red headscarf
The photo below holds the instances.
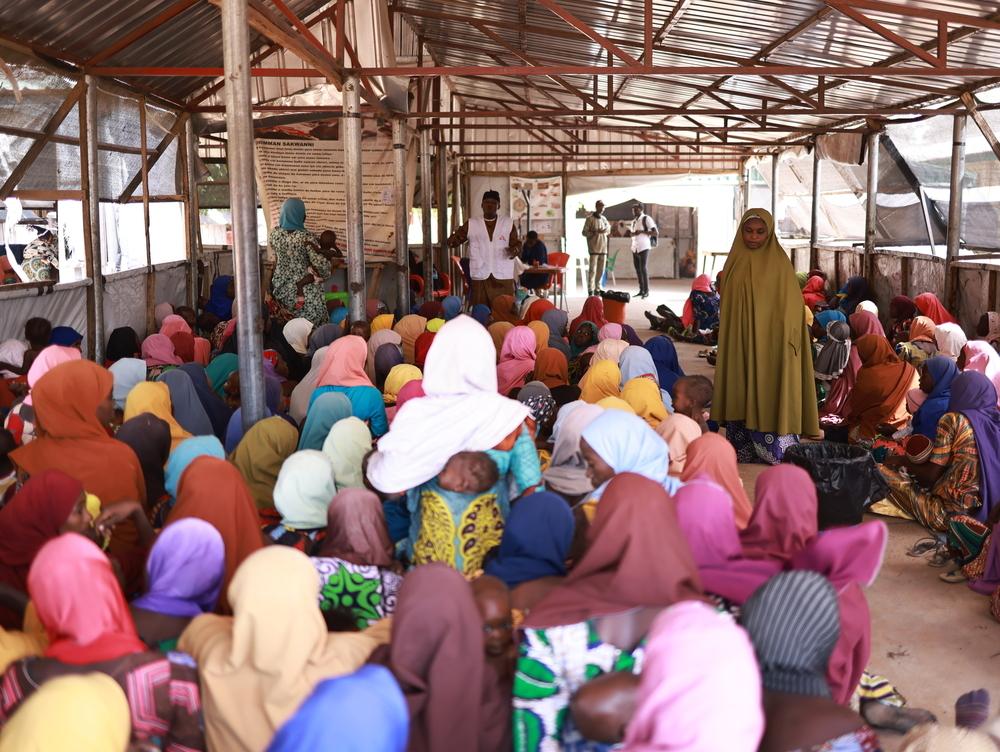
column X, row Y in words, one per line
column 699, row 321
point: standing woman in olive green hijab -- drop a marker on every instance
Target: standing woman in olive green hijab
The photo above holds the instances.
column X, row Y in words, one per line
column 765, row 393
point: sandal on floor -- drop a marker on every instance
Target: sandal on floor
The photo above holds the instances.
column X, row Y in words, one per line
column 923, row 546
column 954, row 576
column 940, row 559
column 703, row 353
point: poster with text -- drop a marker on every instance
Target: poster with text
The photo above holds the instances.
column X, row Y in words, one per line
column 537, row 204
column 313, row 170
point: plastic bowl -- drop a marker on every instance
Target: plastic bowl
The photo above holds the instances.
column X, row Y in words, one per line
column 918, row 448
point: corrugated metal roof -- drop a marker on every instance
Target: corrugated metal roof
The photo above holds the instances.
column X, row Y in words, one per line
column 77, row 30
column 706, row 32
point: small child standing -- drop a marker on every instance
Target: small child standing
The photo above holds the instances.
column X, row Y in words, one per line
column 692, row 405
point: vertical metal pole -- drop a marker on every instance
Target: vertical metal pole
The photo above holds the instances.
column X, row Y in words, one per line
column 399, row 141
column 354, row 196
column 243, row 200
column 871, row 207
column 426, row 187
column 144, row 173
column 955, row 204
column 814, row 220
column 774, row 190
column 193, row 213
column 441, row 186
column 94, row 206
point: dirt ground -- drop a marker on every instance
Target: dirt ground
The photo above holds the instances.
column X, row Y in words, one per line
column 933, row 640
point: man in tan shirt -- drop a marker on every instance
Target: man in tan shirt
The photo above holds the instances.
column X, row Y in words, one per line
column 596, row 230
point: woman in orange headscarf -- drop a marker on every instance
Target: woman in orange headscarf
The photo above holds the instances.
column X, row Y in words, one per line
column 74, row 410
column 879, row 394
column 213, row 490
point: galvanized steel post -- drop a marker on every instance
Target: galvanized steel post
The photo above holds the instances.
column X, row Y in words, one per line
column 871, row 205
column 955, row 205
column 94, row 205
column 399, row 142
column 814, row 218
column 441, row 191
column 243, row 203
column 354, row 199
column 426, row 186
column 774, row 190
column 193, row 217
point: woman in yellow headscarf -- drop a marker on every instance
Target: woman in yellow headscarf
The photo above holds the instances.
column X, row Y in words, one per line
column 92, row 711
column 398, row 377
column 383, row 321
column 643, row 394
column 764, row 386
column 601, row 380
column 153, row 397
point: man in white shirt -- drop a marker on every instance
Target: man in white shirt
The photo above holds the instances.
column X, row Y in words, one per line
column 493, row 246
column 596, row 230
column 644, row 235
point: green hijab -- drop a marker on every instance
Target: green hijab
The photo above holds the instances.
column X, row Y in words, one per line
column 219, row 371
column 764, row 374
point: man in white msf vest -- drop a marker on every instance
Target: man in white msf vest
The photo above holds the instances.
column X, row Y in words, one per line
column 493, row 246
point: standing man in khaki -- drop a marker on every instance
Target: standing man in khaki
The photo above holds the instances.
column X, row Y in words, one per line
column 493, row 246
column 596, row 230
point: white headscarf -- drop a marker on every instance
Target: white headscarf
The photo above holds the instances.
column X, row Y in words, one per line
column 867, row 305
column 296, row 333
column 298, row 404
column 950, row 339
column 461, row 411
column 305, row 487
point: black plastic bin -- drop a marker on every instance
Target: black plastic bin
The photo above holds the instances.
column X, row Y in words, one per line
column 846, row 477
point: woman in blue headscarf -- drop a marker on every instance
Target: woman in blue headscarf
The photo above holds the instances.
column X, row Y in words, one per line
column 364, row 710
column 220, row 301
column 451, row 306
column 535, row 541
column 668, row 367
column 300, row 265
column 187, row 452
column 481, row 313
column 936, row 375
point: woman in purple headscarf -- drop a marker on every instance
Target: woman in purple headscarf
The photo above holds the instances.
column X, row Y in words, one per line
column 963, row 471
column 184, row 576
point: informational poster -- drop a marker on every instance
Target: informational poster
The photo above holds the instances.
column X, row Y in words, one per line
column 313, row 170
column 537, row 198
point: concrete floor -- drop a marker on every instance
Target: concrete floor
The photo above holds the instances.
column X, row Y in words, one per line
column 933, row 640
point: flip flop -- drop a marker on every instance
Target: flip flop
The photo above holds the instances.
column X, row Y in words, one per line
column 940, row 559
column 923, row 546
column 954, row 576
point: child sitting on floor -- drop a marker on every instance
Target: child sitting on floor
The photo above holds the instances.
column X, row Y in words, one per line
column 692, row 404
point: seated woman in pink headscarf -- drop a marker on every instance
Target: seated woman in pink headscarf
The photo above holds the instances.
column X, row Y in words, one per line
column 343, row 371
column 517, row 359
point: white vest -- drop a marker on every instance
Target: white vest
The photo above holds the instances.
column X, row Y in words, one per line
column 489, row 257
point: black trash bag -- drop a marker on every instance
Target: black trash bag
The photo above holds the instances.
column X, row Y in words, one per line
column 846, row 477
column 620, row 297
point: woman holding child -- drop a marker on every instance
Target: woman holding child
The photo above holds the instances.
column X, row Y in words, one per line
column 298, row 259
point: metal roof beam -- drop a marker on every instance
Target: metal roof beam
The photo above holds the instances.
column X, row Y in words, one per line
column 886, row 33
column 647, row 56
column 589, row 32
column 969, row 100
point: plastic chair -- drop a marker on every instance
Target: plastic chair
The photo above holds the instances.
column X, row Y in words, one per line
column 445, row 290
column 417, row 286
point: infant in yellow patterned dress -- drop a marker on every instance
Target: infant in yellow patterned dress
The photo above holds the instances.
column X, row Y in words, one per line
column 469, row 472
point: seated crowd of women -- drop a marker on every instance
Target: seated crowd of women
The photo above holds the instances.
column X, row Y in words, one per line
column 444, row 528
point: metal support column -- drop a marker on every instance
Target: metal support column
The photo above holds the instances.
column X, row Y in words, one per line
column 193, row 213
column 426, row 187
column 243, row 202
column 441, row 192
column 399, row 141
column 814, row 219
column 94, row 206
column 871, row 205
column 774, row 190
column 355, row 208
column 955, row 205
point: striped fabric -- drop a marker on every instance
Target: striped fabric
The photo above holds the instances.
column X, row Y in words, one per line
column 794, row 624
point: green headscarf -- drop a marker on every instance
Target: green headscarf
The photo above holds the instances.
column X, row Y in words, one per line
column 220, row 369
column 293, row 215
column 764, row 374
